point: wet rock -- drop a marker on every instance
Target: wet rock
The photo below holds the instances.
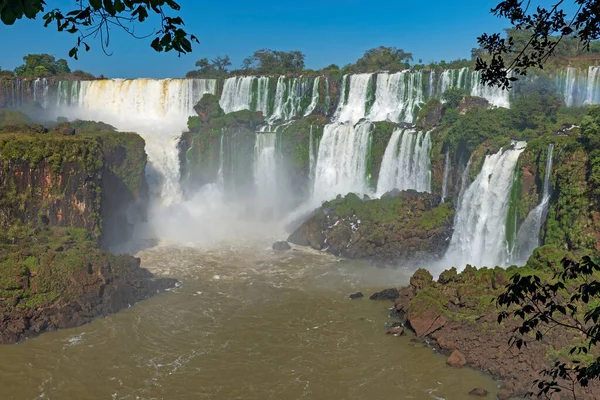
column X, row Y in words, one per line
column 281, row 246
column 356, row 295
column 456, row 359
column 504, row 394
column 387, row 294
column 478, row 392
column 397, row 330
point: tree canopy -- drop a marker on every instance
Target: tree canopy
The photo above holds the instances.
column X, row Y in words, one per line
column 381, row 59
column 96, row 18
column 537, row 35
column 214, row 68
column 266, row 61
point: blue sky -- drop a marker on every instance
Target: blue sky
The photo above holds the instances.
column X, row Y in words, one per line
column 326, row 31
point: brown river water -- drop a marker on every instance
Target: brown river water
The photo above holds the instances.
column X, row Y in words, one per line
column 245, row 323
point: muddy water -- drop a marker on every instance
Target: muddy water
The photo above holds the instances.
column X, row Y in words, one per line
column 245, row 324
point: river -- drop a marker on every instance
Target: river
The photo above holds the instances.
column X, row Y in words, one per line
column 246, row 323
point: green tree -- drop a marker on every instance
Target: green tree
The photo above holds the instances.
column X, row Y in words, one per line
column 96, row 18
column 381, row 59
column 266, row 61
column 538, row 33
column 221, row 64
column 452, row 97
column 569, row 301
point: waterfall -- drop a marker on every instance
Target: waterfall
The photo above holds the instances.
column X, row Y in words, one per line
column 528, row 237
column 464, row 181
column 156, row 109
column 495, row 95
column 312, row 158
column 592, row 90
column 479, row 226
column 220, row 177
column 352, row 105
column 288, row 97
column 314, row 98
column 245, row 93
column 406, row 163
column 341, row 161
column 265, row 170
column 397, row 96
column 446, row 173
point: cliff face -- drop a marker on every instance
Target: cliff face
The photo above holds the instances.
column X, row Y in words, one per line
column 63, row 194
column 89, row 180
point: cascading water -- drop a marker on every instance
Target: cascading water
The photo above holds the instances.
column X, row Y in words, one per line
column 156, row 109
column 220, row 177
column 528, row 237
column 352, row 105
column 288, row 97
column 397, row 96
column 406, row 162
column 446, row 173
column 479, row 226
column 239, row 94
column 314, row 98
column 593, row 86
column 496, row 96
column 342, row 161
column 265, row 169
column 312, row 157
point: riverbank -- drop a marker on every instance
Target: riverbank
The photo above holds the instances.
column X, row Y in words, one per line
column 457, row 317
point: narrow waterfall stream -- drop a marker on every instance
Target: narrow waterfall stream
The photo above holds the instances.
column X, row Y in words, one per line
column 528, row 237
column 479, row 227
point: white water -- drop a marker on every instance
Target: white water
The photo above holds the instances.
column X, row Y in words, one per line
column 265, row 167
column 238, row 94
column 288, row 97
column 354, row 108
column 406, row 162
column 496, row 96
column 480, row 224
column 312, row 157
column 156, row 109
column 528, row 237
column 446, row 173
column 342, row 161
column 314, row 97
column 397, row 96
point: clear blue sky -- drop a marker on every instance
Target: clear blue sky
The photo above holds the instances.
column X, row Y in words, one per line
column 326, row 31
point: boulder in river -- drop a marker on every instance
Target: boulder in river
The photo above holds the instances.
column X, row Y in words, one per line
column 386, row 294
column 401, row 225
column 356, row 295
column 457, row 359
column 281, row 246
column 478, row 392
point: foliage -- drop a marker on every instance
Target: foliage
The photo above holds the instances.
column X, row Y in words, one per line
column 96, row 18
column 568, row 301
column 536, row 37
column 381, row 59
column 45, row 65
column 266, row 61
column 42, row 65
column 452, row 97
column 215, row 68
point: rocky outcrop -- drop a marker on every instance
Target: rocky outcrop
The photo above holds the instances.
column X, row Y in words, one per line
column 400, row 225
column 57, row 278
column 458, row 317
column 93, row 179
column 61, row 198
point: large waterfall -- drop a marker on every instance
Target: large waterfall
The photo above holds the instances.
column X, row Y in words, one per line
column 406, row 163
column 528, row 237
column 342, row 161
column 479, row 226
column 155, row 109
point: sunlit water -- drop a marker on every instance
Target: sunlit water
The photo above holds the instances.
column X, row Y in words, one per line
column 246, row 323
